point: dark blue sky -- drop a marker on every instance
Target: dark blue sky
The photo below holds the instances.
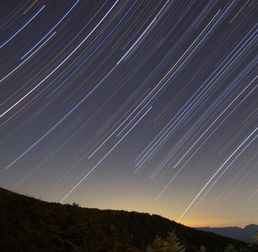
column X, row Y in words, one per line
column 138, row 105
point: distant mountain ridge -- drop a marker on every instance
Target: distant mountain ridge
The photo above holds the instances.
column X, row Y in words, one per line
column 28, row 224
column 244, row 234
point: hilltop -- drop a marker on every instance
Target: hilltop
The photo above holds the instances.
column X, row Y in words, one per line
column 29, row 224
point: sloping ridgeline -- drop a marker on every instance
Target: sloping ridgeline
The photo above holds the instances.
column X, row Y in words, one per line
column 28, row 224
column 244, row 234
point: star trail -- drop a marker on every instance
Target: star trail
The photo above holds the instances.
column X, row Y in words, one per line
column 133, row 104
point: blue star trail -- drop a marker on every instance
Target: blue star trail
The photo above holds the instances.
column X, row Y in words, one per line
column 140, row 105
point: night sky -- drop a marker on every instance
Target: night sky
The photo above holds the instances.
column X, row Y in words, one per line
column 138, row 105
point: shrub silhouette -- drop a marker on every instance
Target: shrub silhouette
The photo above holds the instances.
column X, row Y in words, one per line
column 230, row 248
column 203, row 249
column 170, row 244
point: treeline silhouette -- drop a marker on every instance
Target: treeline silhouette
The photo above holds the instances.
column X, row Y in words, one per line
column 28, row 224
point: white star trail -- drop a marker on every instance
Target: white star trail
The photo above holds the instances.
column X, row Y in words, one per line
column 157, row 99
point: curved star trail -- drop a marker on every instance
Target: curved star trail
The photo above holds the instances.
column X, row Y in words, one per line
column 140, row 105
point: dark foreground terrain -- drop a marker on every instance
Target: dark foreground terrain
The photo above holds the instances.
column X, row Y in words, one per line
column 28, row 224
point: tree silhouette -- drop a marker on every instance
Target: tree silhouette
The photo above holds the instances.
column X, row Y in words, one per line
column 254, row 244
column 230, row 248
column 203, row 249
column 170, row 244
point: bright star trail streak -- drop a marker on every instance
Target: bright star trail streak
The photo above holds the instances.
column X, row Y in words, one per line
column 95, row 166
column 51, row 30
column 144, row 105
column 221, row 167
column 23, row 27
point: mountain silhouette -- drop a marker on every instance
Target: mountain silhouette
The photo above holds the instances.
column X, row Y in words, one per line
column 244, row 234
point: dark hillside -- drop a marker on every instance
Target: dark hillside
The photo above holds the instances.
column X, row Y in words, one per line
column 28, row 224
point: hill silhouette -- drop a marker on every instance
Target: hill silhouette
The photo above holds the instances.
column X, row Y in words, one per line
column 28, row 224
column 244, row 234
